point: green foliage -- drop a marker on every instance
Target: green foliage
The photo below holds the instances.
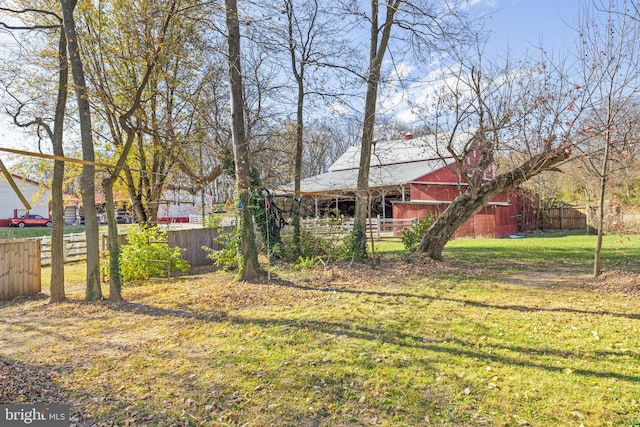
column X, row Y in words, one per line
column 628, row 193
column 306, row 263
column 310, row 246
column 141, row 247
column 411, row 236
column 227, row 257
column 351, row 248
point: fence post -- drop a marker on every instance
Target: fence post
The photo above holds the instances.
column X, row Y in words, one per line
column 378, row 226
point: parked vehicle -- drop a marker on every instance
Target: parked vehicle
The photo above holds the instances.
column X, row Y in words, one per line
column 30, row 221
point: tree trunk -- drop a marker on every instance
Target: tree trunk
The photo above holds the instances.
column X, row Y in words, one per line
column 447, row 224
column 248, row 257
column 466, row 205
column 376, row 55
column 604, row 172
column 298, row 70
column 57, row 200
column 87, row 180
column 115, row 278
column 297, row 197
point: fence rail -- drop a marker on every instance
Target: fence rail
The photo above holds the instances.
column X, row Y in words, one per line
column 380, row 227
column 19, row 268
column 190, row 240
column 74, row 248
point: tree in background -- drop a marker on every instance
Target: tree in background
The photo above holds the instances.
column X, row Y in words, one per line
column 168, row 118
column 126, row 143
column 314, row 41
column 609, row 54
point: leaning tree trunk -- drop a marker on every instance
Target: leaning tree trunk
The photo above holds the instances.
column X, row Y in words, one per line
column 468, row 204
column 447, row 224
column 87, row 180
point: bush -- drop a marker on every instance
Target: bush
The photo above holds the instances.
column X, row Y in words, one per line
column 227, row 257
column 349, row 249
column 411, row 236
column 135, row 256
column 310, row 246
column 306, row 263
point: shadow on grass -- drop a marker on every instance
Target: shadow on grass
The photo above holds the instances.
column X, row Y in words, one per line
column 385, row 336
column 521, row 308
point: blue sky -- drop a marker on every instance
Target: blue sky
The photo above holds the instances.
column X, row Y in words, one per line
column 515, row 25
column 522, row 24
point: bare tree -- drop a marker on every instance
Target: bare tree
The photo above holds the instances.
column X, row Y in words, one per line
column 55, row 135
column 420, row 26
column 525, row 113
column 248, row 257
column 315, row 42
column 609, row 54
column 88, row 185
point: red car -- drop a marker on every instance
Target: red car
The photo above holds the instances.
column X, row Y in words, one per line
column 30, row 220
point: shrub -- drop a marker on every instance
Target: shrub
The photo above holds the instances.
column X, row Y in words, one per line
column 142, row 247
column 227, row 257
column 306, row 263
column 310, row 246
column 349, row 249
column 411, row 236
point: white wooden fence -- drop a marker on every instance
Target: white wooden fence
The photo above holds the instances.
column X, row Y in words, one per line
column 75, row 248
column 75, row 245
column 380, row 228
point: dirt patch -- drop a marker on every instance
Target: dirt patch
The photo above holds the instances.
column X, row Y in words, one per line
column 613, row 281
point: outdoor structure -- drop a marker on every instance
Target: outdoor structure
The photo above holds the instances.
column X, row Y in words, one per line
column 37, row 194
column 182, row 205
column 409, row 178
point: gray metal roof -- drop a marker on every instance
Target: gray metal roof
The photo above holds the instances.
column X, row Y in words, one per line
column 391, row 152
column 393, row 163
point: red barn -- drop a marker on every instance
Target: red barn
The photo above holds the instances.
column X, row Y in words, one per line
column 412, row 178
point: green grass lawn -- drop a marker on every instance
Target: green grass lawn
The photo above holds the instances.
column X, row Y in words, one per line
column 504, row 332
column 23, row 233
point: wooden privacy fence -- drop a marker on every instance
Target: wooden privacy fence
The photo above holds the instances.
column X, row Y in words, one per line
column 19, row 268
column 567, row 218
column 615, row 218
column 190, row 240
